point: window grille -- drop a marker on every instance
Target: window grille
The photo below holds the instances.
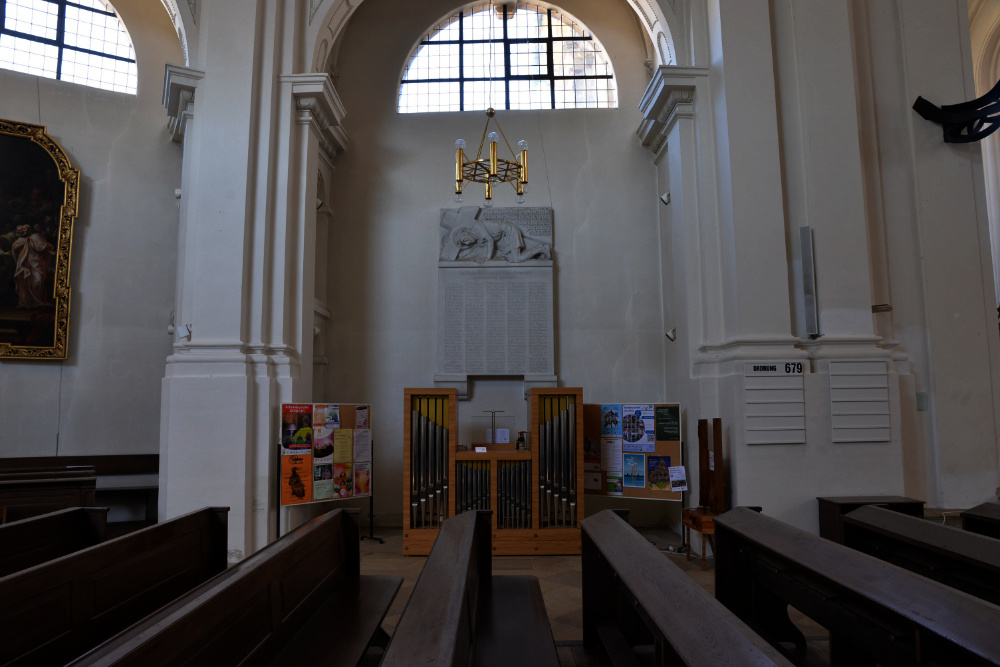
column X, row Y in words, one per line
column 82, row 41
column 523, row 56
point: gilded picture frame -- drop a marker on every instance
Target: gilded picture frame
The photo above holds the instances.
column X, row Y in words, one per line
column 39, row 201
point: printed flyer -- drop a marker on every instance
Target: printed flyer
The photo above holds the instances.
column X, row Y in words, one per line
column 361, row 416
column 296, row 479
column 678, row 479
column 362, row 479
column 615, row 487
column 592, row 454
column 638, row 429
column 343, row 480
column 323, row 481
column 343, row 445
column 296, row 428
column 611, row 453
column 659, row 472
column 611, row 420
column 634, row 469
column 362, row 444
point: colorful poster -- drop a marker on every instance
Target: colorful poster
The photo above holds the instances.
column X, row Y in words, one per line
column 343, row 480
column 296, row 428
column 296, row 479
column 326, row 419
column 611, row 453
column 361, row 416
column 638, row 429
column 343, row 445
column 634, row 470
column 615, row 483
column 362, row 444
column 668, row 423
column 678, row 479
column 362, row 479
column 611, row 420
column 592, row 454
column 659, row 472
column 323, row 481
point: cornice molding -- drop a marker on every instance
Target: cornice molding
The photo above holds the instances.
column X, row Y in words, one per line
column 670, row 95
column 318, row 105
column 179, row 85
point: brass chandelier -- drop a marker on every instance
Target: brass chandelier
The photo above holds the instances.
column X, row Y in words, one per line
column 492, row 169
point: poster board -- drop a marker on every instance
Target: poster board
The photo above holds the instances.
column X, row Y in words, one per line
column 326, row 452
column 628, row 448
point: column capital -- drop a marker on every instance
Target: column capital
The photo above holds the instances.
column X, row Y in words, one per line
column 318, row 105
column 179, row 84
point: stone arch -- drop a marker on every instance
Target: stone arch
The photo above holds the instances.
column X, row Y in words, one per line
column 984, row 28
column 325, row 27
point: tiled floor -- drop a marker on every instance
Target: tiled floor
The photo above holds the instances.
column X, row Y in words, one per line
column 559, row 577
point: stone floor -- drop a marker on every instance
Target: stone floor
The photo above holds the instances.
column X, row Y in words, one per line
column 559, row 577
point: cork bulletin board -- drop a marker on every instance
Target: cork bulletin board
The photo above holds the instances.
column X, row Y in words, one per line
column 628, row 448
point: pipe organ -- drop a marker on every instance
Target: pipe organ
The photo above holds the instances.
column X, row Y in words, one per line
column 536, row 494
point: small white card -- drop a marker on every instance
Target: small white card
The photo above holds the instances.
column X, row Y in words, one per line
column 480, row 450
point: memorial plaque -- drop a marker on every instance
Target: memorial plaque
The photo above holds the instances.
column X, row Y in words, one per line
column 495, row 296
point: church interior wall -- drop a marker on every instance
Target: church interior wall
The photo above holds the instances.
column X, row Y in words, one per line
column 388, row 189
column 105, row 398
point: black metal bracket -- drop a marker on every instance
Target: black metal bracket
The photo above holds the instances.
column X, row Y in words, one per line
column 965, row 122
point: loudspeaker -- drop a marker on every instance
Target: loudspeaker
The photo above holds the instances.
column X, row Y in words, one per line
column 809, row 282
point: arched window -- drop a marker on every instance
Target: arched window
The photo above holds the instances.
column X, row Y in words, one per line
column 82, row 41
column 511, row 56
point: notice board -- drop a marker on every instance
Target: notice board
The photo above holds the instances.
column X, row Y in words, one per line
column 629, row 447
column 326, row 452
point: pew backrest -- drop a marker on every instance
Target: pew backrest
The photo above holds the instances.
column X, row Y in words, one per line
column 439, row 622
column 30, row 492
column 246, row 614
column 683, row 618
column 964, row 561
column 39, row 539
column 983, row 519
column 756, row 550
column 58, row 610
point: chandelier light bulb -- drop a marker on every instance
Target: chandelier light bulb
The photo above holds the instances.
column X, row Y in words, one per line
column 488, row 203
column 519, row 199
column 458, row 198
column 523, row 145
column 493, row 137
column 460, row 143
column 525, row 188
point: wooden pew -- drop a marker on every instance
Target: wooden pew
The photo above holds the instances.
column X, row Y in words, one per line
column 953, row 557
column 301, row 600
column 833, row 509
column 875, row 612
column 56, row 611
column 39, row 539
column 31, row 492
column 983, row 519
column 462, row 614
column 634, row 596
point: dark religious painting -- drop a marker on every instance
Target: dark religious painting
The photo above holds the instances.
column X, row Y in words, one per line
column 39, row 191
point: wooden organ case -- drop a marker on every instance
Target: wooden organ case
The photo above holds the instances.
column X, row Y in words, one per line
column 536, row 494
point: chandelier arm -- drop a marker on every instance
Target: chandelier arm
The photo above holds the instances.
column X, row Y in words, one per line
column 482, row 140
column 504, row 137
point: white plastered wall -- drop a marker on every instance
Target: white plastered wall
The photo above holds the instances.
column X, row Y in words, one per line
column 105, row 398
column 387, row 191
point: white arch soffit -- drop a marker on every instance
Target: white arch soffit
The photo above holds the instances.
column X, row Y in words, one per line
column 327, row 19
column 182, row 16
column 984, row 31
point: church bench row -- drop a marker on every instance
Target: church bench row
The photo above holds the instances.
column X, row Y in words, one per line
column 28, row 492
column 964, row 561
column 301, row 600
column 58, row 610
column 39, row 539
column 875, row 612
column 128, row 483
column 460, row 613
column 983, row 519
column 636, row 602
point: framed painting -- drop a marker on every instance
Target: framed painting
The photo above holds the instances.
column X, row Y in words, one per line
column 39, row 199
